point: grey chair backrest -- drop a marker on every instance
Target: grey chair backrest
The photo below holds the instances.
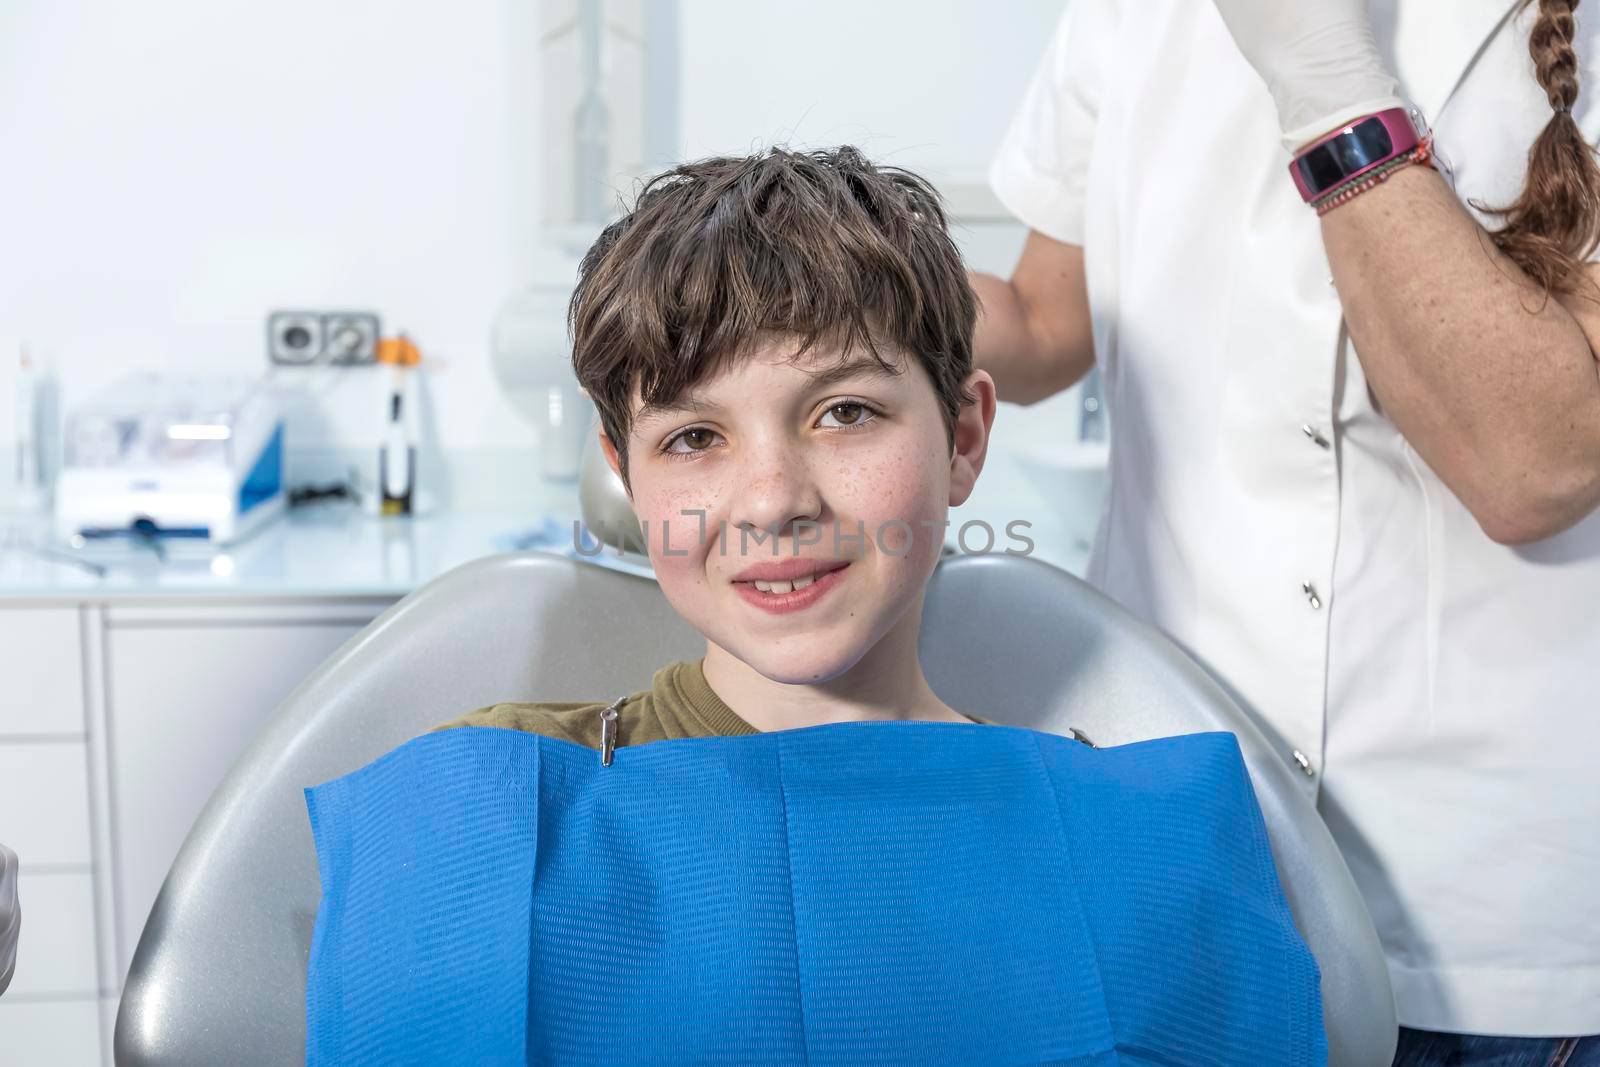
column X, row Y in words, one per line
column 219, row 973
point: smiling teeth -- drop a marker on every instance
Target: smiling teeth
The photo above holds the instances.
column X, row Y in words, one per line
column 784, row 587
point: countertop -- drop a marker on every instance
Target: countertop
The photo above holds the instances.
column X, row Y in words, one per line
column 322, row 550
column 337, row 550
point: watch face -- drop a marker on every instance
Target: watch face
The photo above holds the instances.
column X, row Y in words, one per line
column 1365, row 143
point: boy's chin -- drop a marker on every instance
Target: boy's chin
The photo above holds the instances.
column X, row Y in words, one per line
column 813, row 665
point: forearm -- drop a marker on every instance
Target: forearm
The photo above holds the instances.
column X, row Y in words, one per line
column 1494, row 386
column 1034, row 333
column 1003, row 344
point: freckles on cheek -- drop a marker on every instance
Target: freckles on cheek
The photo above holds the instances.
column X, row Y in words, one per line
column 681, row 522
column 903, row 487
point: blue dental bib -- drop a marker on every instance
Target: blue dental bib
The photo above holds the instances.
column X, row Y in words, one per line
column 889, row 892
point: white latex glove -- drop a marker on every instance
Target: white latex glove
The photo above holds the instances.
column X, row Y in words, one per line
column 10, row 915
column 1319, row 59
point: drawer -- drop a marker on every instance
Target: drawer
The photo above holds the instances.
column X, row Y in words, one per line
column 56, row 946
column 61, row 1033
column 44, row 802
column 42, row 666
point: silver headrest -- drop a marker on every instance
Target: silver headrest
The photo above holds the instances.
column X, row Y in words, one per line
column 604, row 503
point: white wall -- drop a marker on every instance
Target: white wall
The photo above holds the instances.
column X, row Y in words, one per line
column 172, row 171
column 925, row 84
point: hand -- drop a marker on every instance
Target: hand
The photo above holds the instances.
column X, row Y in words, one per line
column 10, row 915
column 1318, row 58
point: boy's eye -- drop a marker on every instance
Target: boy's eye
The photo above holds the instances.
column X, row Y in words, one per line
column 849, row 414
column 695, row 438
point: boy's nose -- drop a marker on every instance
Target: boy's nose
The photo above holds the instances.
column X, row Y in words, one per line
column 771, row 494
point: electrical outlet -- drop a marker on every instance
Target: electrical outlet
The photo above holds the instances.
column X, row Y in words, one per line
column 302, row 338
column 294, row 338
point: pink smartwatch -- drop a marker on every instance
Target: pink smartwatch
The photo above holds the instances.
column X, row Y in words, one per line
column 1354, row 149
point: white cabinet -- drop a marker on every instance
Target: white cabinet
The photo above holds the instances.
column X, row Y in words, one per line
column 117, row 720
column 186, row 690
column 56, row 945
column 125, row 700
column 41, row 685
column 59, row 1033
column 44, row 803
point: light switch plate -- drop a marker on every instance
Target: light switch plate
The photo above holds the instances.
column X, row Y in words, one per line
column 301, row 338
column 351, row 336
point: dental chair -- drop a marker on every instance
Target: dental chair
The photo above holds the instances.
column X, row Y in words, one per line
column 219, row 974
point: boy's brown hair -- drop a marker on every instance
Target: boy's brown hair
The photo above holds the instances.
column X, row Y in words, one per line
column 822, row 245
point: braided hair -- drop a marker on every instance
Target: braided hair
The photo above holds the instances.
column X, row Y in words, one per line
column 1553, row 226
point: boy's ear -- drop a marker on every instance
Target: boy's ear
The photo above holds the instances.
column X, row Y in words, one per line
column 971, row 436
column 613, row 460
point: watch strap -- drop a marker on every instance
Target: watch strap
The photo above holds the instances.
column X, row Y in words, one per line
column 1350, row 152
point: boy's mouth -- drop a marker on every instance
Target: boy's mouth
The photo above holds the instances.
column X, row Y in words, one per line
column 789, row 585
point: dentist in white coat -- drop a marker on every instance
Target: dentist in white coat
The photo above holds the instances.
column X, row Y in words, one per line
column 1355, row 457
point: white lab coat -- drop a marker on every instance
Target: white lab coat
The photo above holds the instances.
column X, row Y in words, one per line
column 1441, row 692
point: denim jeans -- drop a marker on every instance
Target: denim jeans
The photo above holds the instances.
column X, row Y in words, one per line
column 1426, row 1048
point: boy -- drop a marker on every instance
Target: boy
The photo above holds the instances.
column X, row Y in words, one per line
column 780, row 351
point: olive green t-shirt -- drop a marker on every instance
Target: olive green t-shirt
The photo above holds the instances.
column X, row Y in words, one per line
column 679, row 703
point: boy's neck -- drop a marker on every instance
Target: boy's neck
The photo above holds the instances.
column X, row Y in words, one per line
column 885, row 684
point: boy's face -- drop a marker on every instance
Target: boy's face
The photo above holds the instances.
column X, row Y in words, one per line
column 769, row 472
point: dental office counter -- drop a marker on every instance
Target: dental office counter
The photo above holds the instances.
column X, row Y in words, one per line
column 318, row 551
column 125, row 696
